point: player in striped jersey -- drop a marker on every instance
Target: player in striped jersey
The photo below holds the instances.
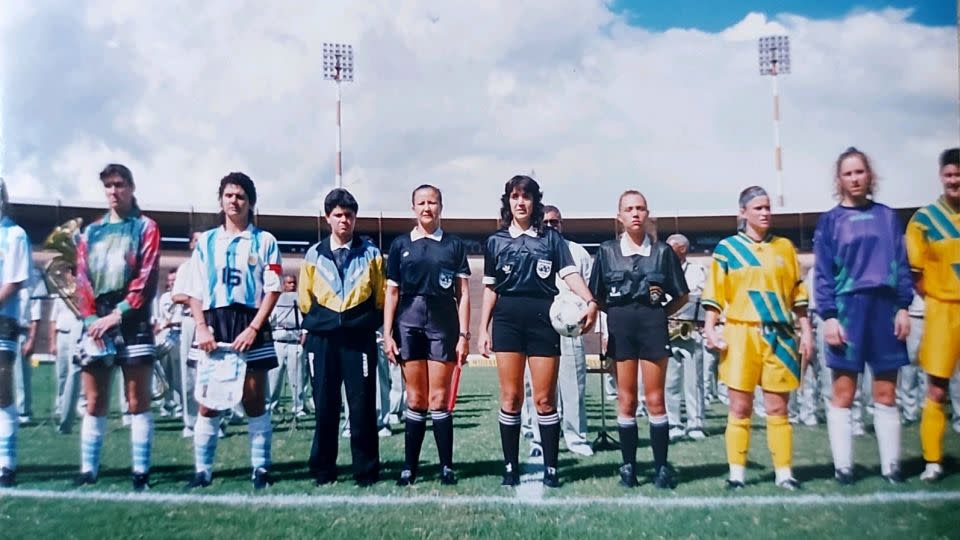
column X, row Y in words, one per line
column 234, row 283
column 755, row 281
column 117, row 272
column 933, row 245
column 14, row 273
column 863, row 290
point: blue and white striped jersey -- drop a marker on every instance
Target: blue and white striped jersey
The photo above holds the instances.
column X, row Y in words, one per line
column 230, row 268
column 15, row 264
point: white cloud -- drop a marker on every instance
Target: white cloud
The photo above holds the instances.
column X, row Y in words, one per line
column 464, row 97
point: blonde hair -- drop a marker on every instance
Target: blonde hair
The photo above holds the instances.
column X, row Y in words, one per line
column 851, row 152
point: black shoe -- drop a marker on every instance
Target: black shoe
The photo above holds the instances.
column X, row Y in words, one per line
column 511, row 476
column 447, row 477
column 407, row 478
column 261, row 478
column 365, row 482
column 733, row 485
column 789, row 484
column 321, row 480
column 550, row 477
column 665, row 478
column 200, row 480
column 894, row 477
column 8, row 478
column 85, row 479
column 141, row 481
column 844, row 477
column 628, row 476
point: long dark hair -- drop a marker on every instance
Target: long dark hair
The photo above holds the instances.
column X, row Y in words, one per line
column 529, row 187
column 122, row 171
column 246, row 184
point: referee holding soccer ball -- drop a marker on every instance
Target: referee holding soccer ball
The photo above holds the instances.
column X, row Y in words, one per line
column 631, row 279
column 521, row 264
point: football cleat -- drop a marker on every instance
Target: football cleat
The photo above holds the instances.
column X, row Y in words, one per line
column 696, row 434
column 8, row 478
column 141, row 481
column 261, row 478
column 732, row 484
column 447, row 477
column 200, row 480
column 85, row 479
column 665, row 478
column 894, row 477
column 932, row 473
column 844, row 477
column 511, row 477
column 407, row 478
column 789, row 484
column 628, row 476
column 550, row 477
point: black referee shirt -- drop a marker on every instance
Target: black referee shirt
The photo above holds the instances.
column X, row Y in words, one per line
column 524, row 263
column 619, row 279
column 427, row 265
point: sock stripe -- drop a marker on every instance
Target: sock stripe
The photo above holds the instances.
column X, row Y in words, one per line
column 509, row 419
column 439, row 415
column 415, row 416
column 626, row 421
column 658, row 420
column 548, row 419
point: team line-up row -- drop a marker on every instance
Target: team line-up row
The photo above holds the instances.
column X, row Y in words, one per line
column 866, row 273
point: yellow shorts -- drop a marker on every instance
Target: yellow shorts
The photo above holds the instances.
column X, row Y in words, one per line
column 760, row 354
column 940, row 343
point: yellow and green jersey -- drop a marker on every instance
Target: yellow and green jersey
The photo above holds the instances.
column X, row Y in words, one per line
column 933, row 247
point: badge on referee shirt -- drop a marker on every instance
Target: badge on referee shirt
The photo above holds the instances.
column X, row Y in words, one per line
column 543, row 268
column 446, row 279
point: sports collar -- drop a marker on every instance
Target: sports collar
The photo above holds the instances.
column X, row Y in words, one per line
column 628, row 249
column 746, row 238
column 942, row 201
column 246, row 233
column 515, row 231
column 415, row 234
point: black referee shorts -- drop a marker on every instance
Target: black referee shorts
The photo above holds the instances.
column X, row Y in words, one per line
column 427, row 328
column 521, row 324
column 637, row 332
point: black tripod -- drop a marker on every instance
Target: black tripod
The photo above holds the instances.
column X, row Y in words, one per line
column 604, row 440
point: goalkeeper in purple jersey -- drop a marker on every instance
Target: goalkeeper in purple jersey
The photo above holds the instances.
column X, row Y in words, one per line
column 863, row 289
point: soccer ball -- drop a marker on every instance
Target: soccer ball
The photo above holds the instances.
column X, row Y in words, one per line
column 566, row 313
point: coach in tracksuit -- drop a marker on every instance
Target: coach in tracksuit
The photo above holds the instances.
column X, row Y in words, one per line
column 341, row 291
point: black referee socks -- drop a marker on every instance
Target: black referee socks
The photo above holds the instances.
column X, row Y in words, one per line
column 414, row 429
column 628, row 439
column 443, row 435
column 510, row 437
column 659, row 439
column 549, row 437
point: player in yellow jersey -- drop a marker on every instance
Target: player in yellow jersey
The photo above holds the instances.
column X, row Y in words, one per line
column 755, row 282
column 933, row 246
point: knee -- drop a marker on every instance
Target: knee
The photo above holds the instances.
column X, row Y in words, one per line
column 545, row 404
column 627, row 405
column 208, row 413
column 741, row 410
column 776, row 409
column 654, row 402
column 253, row 406
column 417, row 401
column 937, row 389
column 511, row 401
column 137, row 406
column 438, row 399
column 842, row 397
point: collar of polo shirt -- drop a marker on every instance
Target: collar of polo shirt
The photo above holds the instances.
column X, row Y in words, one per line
column 246, row 233
column 515, row 231
column 415, row 234
column 628, row 249
column 335, row 244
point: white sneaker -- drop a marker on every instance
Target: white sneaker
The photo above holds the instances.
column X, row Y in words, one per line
column 581, row 449
column 186, row 433
column 676, row 433
column 932, row 472
column 697, row 434
column 384, row 432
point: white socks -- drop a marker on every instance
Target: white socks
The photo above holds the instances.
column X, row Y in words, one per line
column 205, row 443
column 840, row 430
column 141, row 435
column 9, row 421
column 886, row 423
column 261, row 432
column 91, row 440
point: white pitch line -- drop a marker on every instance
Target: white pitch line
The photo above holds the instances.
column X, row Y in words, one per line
column 299, row 501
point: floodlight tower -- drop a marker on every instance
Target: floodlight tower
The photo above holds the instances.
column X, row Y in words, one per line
column 775, row 60
column 338, row 67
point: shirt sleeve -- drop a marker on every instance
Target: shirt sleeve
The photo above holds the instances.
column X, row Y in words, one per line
column 801, row 296
column 597, row 286
column 85, row 299
column 825, row 282
column 17, row 264
column 393, row 264
column 379, row 281
column 562, row 257
column 463, row 269
column 715, row 290
column 305, row 283
column 916, row 244
column 195, row 280
column 904, row 278
column 183, row 277
column 490, row 262
column 148, row 273
column 273, row 266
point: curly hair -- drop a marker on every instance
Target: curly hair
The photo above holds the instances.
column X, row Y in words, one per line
column 245, row 183
column 529, row 187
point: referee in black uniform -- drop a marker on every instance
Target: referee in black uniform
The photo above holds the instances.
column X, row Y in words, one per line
column 520, row 267
column 427, row 312
column 631, row 279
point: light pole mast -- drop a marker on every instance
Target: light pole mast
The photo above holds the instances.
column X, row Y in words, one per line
column 338, row 67
column 775, row 60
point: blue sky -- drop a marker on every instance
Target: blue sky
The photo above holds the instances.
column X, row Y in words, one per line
column 715, row 16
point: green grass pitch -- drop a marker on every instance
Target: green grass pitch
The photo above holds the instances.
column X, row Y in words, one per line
column 589, row 503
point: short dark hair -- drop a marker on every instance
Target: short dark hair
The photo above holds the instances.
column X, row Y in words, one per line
column 116, row 169
column 547, row 208
column 339, row 197
column 246, row 184
column 435, row 189
column 528, row 186
column 950, row 156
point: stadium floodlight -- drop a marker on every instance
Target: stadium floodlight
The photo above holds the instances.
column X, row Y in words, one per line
column 338, row 67
column 775, row 60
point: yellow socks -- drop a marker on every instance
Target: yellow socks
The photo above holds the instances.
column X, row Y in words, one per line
column 780, row 441
column 738, row 440
column 933, row 422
